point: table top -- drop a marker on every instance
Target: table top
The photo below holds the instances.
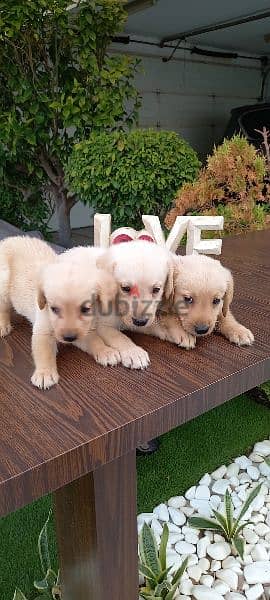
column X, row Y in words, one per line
column 96, row 414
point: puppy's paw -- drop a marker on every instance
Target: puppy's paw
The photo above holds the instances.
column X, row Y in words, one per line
column 107, row 357
column 135, row 358
column 45, row 378
column 5, row 329
column 241, row 336
column 186, row 340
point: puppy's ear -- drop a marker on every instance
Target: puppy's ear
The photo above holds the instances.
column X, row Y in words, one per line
column 41, row 299
column 106, row 290
column 105, row 262
column 170, row 283
column 228, row 294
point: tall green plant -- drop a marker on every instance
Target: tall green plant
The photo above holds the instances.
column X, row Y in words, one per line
column 225, row 524
column 154, row 568
column 57, row 83
column 49, row 587
column 131, row 174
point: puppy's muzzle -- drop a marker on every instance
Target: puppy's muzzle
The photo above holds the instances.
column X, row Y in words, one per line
column 201, row 329
column 69, row 337
column 139, row 322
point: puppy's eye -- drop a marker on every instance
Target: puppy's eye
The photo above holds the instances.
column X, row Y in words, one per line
column 85, row 310
column 156, row 290
column 125, row 288
column 188, row 299
column 216, row 301
column 55, row 310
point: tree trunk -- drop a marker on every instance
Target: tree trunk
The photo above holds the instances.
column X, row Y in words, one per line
column 63, row 219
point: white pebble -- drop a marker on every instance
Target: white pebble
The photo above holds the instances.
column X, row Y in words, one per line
column 234, row 482
column 188, row 510
column 185, row 587
column 191, row 538
column 202, row 545
column 234, row 596
column 254, row 592
column 177, row 517
column 192, row 559
column 173, row 528
column 259, row 552
column 194, row 573
column 250, row 536
column 185, row 548
column 229, row 577
column 215, row 501
column 202, row 492
column 201, row 592
column 174, row 538
column 257, row 572
column 207, row 580
column 232, row 470
column 253, row 472
column 202, row 506
column 190, row 494
column 215, row 565
column 221, row 587
column 220, row 486
column 219, row 550
column 173, row 559
column 145, row 518
column 204, row 564
column 264, row 469
column 262, row 448
column 177, row 501
column 243, row 462
column 262, row 529
column 161, row 512
column 219, row 473
column 255, row 457
column 205, row 480
column 156, row 527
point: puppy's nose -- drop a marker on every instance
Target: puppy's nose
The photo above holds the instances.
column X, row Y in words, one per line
column 200, row 329
column 69, row 337
column 139, row 322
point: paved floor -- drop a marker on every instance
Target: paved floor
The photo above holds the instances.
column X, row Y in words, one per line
column 83, row 236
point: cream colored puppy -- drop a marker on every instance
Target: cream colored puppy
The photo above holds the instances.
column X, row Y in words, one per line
column 144, row 274
column 58, row 297
column 200, row 302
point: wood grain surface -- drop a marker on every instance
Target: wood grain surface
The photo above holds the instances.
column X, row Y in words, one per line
column 96, row 414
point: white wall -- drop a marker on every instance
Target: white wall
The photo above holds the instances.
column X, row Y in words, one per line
column 191, row 95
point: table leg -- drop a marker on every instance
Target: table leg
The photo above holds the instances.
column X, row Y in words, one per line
column 97, row 533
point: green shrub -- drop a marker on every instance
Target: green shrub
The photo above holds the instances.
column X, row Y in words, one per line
column 30, row 214
column 131, row 174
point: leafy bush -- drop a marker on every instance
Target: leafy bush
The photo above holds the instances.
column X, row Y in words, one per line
column 232, row 184
column 131, row 174
column 154, row 568
column 229, row 527
column 27, row 214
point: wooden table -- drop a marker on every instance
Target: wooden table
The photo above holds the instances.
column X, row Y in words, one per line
column 79, row 439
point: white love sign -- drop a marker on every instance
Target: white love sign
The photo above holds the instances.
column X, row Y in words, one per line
column 191, row 225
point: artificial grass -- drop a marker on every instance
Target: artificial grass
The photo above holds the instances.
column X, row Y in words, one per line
column 185, row 454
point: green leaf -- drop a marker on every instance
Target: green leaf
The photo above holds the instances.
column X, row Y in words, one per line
column 43, row 547
column 149, row 550
column 267, row 460
column 18, row 595
column 239, row 544
column 202, row 523
column 163, row 546
column 148, row 574
column 179, row 573
column 163, row 574
column 229, row 511
column 247, row 504
column 171, row 594
column 41, row 585
column 222, row 522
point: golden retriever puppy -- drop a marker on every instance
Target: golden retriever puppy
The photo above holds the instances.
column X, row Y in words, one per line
column 57, row 297
column 201, row 298
column 143, row 272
